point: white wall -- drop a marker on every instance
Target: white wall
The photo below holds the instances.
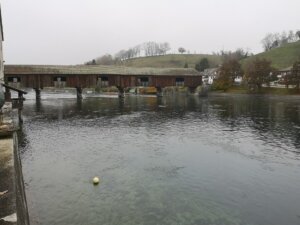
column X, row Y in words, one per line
column 1, row 58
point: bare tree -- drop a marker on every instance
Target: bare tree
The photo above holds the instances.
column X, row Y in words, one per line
column 283, row 38
column 291, row 36
column 106, row 59
column 258, row 72
column 148, row 49
column 137, row 51
column 274, row 40
column 165, row 47
column 268, row 41
column 229, row 70
column 121, row 55
column 181, row 50
column 237, row 54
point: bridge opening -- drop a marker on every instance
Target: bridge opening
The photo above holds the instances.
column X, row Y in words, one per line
column 60, row 79
column 14, row 79
column 14, row 82
column 179, row 81
column 144, row 81
column 103, row 81
column 60, row 82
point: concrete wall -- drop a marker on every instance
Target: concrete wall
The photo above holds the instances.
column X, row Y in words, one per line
column 1, row 66
column 7, row 182
column 13, row 205
column 22, row 210
column 1, row 56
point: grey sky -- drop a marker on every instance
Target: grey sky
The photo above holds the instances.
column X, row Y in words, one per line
column 74, row 31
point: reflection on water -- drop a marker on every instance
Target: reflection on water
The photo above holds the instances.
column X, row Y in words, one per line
column 172, row 160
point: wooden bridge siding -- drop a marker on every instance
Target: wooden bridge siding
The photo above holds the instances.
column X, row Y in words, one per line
column 122, row 81
column 192, row 81
column 24, row 80
column 112, row 80
column 48, row 81
column 165, row 81
column 162, row 81
column 155, row 81
column 85, row 81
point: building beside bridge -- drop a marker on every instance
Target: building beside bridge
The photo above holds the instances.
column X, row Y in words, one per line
column 88, row 76
column 1, row 64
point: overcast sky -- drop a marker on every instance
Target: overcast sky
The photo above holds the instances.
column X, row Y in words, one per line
column 75, row 31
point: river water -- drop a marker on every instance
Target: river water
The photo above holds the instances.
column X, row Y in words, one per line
column 177, row 160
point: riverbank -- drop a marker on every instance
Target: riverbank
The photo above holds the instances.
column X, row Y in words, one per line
column 263, row 91
column 13, row 206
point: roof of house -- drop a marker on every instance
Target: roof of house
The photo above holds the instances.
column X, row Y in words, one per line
column 210, row 71
column 97, row 69
column 286, row 69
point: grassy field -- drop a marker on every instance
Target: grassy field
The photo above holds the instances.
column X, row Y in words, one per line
column 281, row 57
column 172, row 61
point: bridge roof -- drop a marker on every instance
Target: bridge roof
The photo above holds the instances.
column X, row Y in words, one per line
column 96, row 69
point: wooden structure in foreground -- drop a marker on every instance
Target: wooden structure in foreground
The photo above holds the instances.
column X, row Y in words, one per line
column 91, row 76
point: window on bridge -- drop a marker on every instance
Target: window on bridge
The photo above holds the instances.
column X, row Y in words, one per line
column 179, row 81
column 144, row 81
column 13, row 79
column 60, row 79
column 60, row 82
column 103, row 81
column 14, row 82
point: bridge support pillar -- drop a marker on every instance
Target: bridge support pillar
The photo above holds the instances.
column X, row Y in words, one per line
column 203, row 92
column 37, row 93
column 79, row 92
column 121, row 92
column 192, row 90
column 7, row 95
column 159, row 92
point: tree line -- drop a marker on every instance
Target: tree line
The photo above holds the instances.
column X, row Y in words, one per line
column 255, row 74
column 150, row 48
column 274, row 40
column 238, row 54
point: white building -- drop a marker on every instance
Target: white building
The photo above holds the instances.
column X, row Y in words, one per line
column 238, row 79
column 209, row 75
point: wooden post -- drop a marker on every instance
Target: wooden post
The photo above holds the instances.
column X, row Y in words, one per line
column 20, row 116
column 192, row 90
column 79, row 92
column 37, row 93
column 20, row 95
column 121, row 92
column 79, row 104
column 7, row 94
column 159, row 92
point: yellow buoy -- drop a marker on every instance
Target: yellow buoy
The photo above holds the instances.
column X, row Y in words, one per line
column 96, row 180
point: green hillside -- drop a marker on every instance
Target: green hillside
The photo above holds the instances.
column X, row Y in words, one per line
column 281, row 57
column 172, row 61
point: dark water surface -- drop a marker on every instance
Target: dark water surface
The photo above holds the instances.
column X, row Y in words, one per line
column 172, row 161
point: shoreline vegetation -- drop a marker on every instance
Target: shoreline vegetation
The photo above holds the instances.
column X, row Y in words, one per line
column 262, row 91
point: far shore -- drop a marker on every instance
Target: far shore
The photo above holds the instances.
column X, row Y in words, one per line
column 264, row 91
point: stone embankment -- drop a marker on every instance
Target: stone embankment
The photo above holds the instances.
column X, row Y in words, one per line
column 13, row 207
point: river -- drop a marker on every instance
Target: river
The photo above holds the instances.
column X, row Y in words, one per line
column 176, row 160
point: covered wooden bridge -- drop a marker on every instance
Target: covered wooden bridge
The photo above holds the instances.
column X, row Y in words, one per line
column 87, row 76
